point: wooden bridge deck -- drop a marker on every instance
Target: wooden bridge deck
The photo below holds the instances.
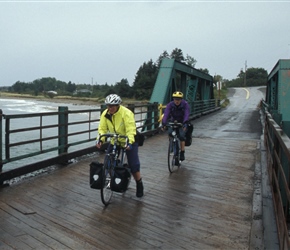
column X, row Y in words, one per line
column 207, row 204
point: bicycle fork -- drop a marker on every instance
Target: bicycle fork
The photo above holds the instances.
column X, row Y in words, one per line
column 175, row 147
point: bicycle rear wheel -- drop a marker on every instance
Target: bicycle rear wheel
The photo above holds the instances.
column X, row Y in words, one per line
column 106, row 192
column 173, row 160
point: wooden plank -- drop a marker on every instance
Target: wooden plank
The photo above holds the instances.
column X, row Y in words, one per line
column 206, row 204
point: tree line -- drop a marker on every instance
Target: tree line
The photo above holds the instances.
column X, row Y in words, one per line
column 250, row 77
column 142, row 86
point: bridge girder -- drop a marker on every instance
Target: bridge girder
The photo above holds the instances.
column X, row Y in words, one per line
column 173, row 75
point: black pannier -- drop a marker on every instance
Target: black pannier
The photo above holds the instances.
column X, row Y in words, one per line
column 139, row 138
column 121, row 179
column 96, row 175
column 188, row 135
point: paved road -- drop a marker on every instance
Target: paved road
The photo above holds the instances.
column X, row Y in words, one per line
column 241, row 119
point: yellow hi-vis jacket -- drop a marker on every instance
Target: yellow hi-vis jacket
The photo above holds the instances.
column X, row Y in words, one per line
column 122, row 122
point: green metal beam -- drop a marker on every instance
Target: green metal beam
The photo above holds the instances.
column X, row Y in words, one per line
column 174, row 75
column 278, row 94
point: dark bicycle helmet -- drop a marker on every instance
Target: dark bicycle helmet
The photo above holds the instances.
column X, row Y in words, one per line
column 177, row 94
column 113, row 99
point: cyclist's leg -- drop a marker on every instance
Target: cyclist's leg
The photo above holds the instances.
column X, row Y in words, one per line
column 182, row 138
column 170, row 131
column 134, row 163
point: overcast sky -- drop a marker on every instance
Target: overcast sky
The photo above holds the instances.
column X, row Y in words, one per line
column 106, row 41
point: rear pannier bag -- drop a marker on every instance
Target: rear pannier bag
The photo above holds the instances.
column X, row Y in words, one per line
column 96, row 175
column 188, row 135
column 121, row 179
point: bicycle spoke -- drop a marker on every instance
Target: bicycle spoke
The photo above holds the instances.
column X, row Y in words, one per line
column 172, row 166
column 106, row 192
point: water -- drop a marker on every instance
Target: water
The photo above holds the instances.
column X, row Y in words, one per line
column 27, row 106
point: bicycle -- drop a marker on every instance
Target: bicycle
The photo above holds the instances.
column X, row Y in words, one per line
column 174, row 146
column 114, row 167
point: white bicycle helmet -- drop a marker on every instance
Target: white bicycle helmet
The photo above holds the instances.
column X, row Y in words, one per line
column 113, row 99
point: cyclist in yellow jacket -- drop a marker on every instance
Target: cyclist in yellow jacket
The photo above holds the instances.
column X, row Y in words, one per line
column 119, row 119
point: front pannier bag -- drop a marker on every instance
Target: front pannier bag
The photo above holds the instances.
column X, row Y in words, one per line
column 121, row 179
column 96, row 175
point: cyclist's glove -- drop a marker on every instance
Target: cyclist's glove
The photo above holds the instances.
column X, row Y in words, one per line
column 99, row 142
column 163, row 126
column 184, row 125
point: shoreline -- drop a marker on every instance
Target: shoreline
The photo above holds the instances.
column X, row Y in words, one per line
column 63, row 99
column 54, row 100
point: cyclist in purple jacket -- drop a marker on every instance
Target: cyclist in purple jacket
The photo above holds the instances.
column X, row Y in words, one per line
column 178, row 110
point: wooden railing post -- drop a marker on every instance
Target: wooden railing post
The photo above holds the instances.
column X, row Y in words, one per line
column 131, row 106
column 156, row 115
column 149, row 117
column 63, row 130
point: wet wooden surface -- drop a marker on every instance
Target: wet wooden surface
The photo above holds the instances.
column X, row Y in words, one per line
column 206, row 204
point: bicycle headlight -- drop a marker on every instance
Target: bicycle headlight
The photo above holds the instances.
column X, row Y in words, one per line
column 173, row 133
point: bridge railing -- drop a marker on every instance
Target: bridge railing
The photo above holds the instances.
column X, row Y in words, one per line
column 52, row 138
column 203, row 107
column 198, row 108
column 278, row 163
column 35, row 141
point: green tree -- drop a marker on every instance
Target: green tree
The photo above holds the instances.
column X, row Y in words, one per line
column 18, row 87
column 177, row 54
column 163, row 55
column 204, row 70
column 109, row 91
column 256, row 77
column 217, row 78
column 252, row 77
column 70, row 87
column 190, row 61
column 123, row 89
column 144, row 80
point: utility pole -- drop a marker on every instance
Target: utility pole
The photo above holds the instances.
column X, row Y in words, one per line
column 245, row 77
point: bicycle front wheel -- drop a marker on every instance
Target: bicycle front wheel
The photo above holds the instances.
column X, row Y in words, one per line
column 173, row 161
column 106, row 192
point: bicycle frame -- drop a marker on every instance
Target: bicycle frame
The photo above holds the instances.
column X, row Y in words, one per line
column 174, row 146
column 111, row 161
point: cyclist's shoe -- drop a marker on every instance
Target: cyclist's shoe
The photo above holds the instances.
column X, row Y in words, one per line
column 139, row 188
column 182, row 158
column 176, row 162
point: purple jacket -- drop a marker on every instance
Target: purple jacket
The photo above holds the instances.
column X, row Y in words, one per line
column 179, row 113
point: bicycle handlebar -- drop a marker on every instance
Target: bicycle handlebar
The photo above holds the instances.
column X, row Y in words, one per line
column 116, row 137
column 174, row 125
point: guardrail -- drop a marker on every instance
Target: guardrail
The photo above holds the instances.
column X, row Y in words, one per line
column 36, row 141
column 278, row 163
column 198, row 108
column 53, row 138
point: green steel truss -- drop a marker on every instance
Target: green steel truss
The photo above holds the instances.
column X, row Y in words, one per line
column 278, row 94
column 173, row 75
